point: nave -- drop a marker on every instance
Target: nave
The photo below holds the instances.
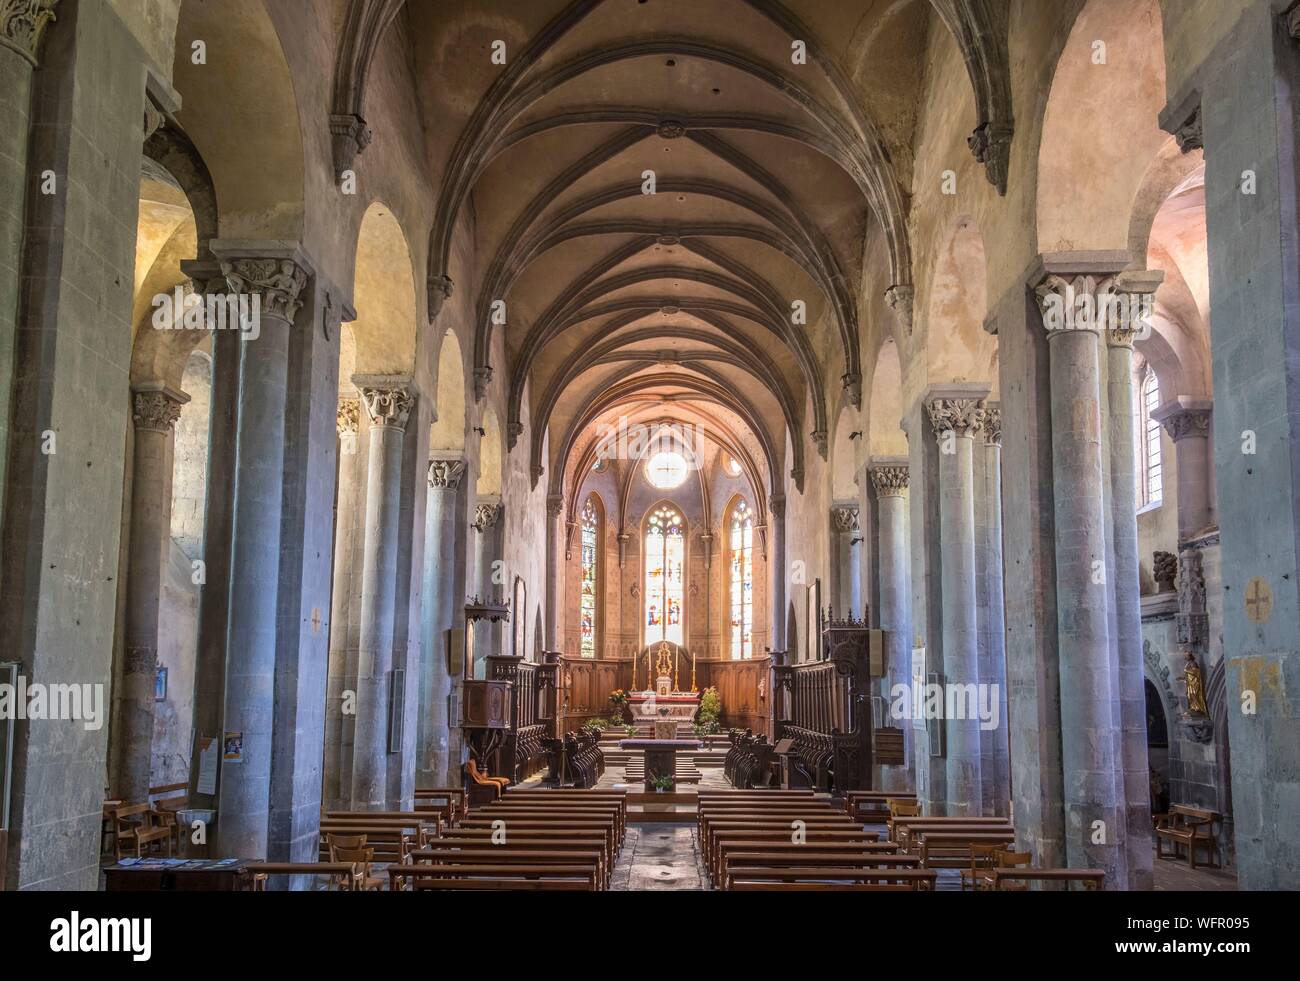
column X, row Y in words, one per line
column 870, row 418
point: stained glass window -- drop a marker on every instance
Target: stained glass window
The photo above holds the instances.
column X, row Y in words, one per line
column 665, row 576
column 742, row 582
column 590, row 570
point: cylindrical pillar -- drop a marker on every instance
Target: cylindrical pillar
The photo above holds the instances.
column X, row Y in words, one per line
column 433, row 747
column 956, row 421
column 340, row 690
column 776, row 574
column 1093, row 815
column 388, row 410
column 244, row 809
column 156, row 410
column 554, row 517
column 895, row 617
column 999, row 761
column 1188, row 423
column 487, row 514
column 1128, row 610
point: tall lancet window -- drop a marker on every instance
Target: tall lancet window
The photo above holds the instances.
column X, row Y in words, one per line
column 665, row 576
column 742, row 581
column 1147, row 439
column 587, row 609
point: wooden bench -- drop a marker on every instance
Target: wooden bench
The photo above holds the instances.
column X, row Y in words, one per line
column 786, row 852
column 450, row 802
column 901, row 830
column 873, row 805
column 1092, row 879
column 952, row 849
column 783, row 825
column 859, row 842
column 556, row 878
column 516, row 824
column 517, row 857
column 1189, row 827
column 906, row 879
column 391, row 840
column 615, row 809
column 347, row 875
column 484, row 851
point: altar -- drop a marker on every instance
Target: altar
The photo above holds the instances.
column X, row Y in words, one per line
column 665, row 712
column 664, row 706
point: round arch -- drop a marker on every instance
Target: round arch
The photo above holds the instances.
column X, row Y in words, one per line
column 447, row 431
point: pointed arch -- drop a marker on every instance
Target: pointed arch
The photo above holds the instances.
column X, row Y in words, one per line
column 739, row 523
column 664, row 537
column 591, row 576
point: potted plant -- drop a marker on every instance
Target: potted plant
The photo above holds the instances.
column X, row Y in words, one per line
column 661, row 785
column 618, row 705
column 630, row 730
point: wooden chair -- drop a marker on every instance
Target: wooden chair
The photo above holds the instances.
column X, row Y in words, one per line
column 480, row 788
column 981, row 857
column 1190, row 827
column 1003, row 859
column 135, row 823
column 352, row 849
column 901, row 808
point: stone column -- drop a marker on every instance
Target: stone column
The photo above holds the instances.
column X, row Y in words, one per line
column 487, row 516
column 956, row 421
column 341, row 684
column 890, row 481
column 155, row 411
column 274, row 275
column 996, row 762
column 1083, row 639
column 388, row 409
column 1187, row 421
column 848, row 537
column 554, row 535
column 433, row 759
column 1132, row 289
column 776, row 572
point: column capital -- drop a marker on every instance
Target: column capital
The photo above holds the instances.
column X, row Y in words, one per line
column 349, row 417
column 964, row 417
column 1070, row 303
column 446, row 473
column 276, row 273
column 1185, row 417
column 899, row 297
column 1128, row 315
column 388, row 406
column 485, row 515
column 156, row 408
column 554, row 504
column 777, row 505
column 993, row 425
column 890, row 480
column 22, row 22
column 846, row 517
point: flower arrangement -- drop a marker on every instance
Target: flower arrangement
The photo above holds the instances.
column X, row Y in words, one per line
column 618, row 697
column 661, row 784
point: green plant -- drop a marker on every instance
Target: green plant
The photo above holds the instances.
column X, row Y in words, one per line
column 596, row 725
column 661, row 783
column 710, row 708
column 630, row 730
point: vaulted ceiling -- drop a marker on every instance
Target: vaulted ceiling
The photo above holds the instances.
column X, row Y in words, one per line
column 670, row 199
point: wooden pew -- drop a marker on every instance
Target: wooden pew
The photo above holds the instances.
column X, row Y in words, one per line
column 770, row 821
column 517, row 857
column 345, row 874
column 484, row 852
column 390, row 837
column 952, row 849
column 872, row 805
column 751, row 839
column 449, row 802
column 606, row 827
column 739, row 855
column 902, row 825
column 616, row 809
column 1092, row 879
column 555, row 878
column 906, row 879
